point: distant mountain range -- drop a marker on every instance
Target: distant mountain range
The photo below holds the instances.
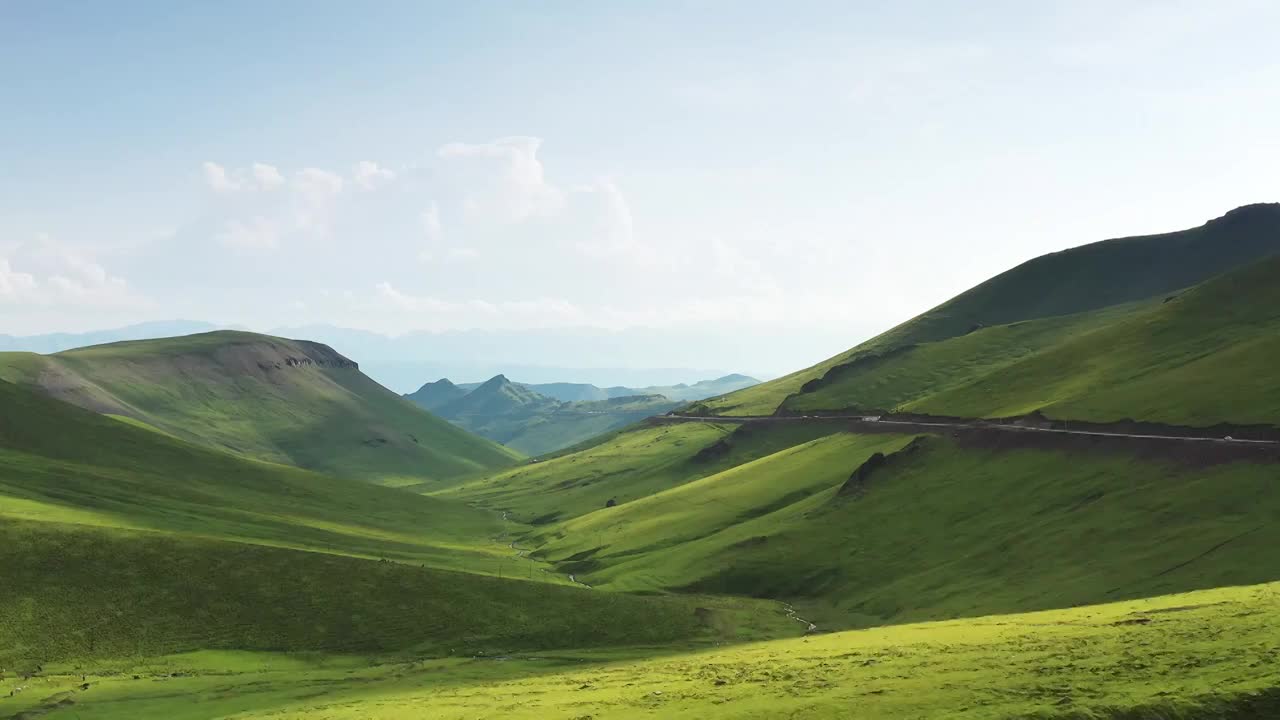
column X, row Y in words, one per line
column 537, row 419
column 574, row 392
column 57, row 342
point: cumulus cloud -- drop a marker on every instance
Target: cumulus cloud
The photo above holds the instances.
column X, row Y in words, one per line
column 44, row 272
column 517, row 188
column 268, row 177
column 259, row 177
column 259, row 208
column 218, row 178
column 14, row 284
column 369, row 175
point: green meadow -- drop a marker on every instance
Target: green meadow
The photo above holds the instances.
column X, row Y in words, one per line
column 231, row 525
column 1207, row 655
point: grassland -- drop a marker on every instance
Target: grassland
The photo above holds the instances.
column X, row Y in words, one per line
column 711, row 504
column 272, row 399
column 945, row 528
column 80, row 594
column 1209, row 655
column 117, row 541
column 623, row 467
column 67, row 465
column 1080, row 280
column 921, row 371
column 1202, row 358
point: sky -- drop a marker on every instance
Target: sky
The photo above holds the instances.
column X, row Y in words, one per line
column 769, row 183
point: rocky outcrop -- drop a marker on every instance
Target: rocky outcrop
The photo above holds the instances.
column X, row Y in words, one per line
column 857, row 483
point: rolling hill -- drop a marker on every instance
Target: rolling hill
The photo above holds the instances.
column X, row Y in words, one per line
column 931, row 524
column 521, row 418
column 284, row 401
column 973, row 570
column 1093, row 283
column 122, row 541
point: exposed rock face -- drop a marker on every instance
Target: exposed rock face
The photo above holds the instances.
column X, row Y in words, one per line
column 315, row 355
column 857, row 483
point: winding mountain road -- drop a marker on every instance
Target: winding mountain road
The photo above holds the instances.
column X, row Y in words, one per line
column 938, row 423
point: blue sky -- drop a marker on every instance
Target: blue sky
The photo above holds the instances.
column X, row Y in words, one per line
column 803, row 174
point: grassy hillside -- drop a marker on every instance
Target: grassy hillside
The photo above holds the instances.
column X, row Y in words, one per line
column 434, row 394
column 705, row 506
column 629, row 466
column 920, row 371
column 1204, row 357
column 1207, row 655
column 522, row 419
column 1079, row 280
column 577, row 422
column 941, row 530
column 62, row 464
column 78, row 594
column 285, row 401
column 119, row 541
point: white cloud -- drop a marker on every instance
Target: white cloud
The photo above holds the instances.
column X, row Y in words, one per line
column 218, row 178
column 14, row 284
column 317, row 183
column 369, row 175
column 268, row 177
column 255, row 234
column 44, row 272
column 516, row 188
column 463, row 253
column 431, row 223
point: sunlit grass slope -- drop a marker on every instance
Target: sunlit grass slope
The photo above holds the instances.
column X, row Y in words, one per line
column 60, row 463
column 945, row 530
column 1079, row 280
column 921, row 371
column 711, row 504
column 1204, row 357
column 76, row 593
column 630, row 465
column 285, row 401
column 1207, row 655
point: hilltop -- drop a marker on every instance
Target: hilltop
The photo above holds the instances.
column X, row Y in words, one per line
column 285, row 401
column 1032, row 306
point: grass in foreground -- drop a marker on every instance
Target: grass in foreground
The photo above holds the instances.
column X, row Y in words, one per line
column 1208, row 655
column 77, row 594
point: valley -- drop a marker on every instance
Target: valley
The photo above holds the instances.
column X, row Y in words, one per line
column 1053, row 496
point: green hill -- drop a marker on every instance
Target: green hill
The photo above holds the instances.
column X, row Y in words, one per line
column 434, row 394
column 584, row 392
column 1085, row 279
column 120, row 541
column 1204, row 357
column 62, row 464
column 285, row 401
column 521, row 418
